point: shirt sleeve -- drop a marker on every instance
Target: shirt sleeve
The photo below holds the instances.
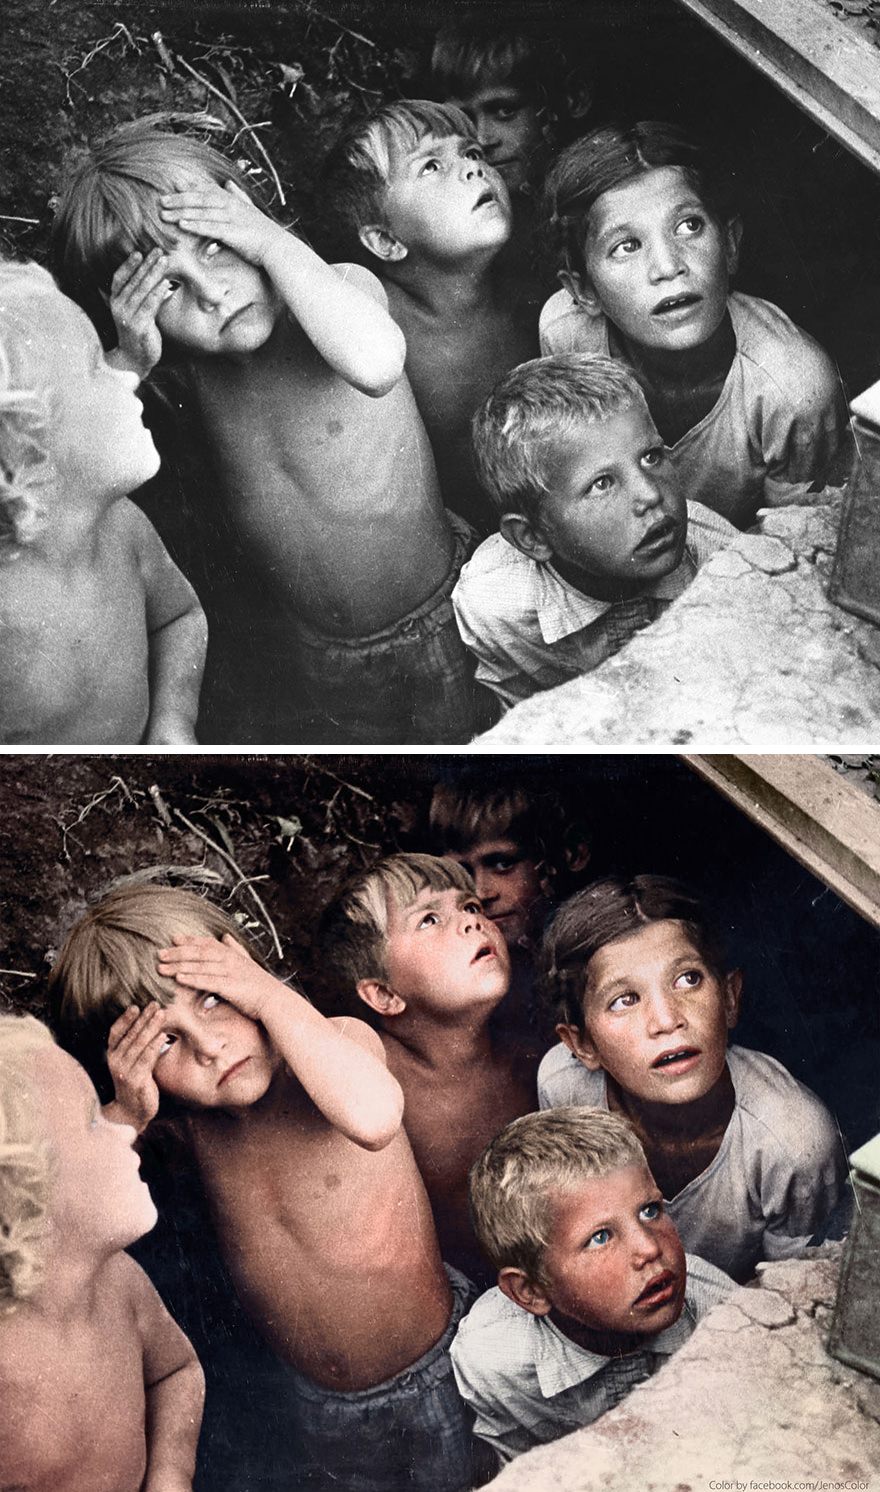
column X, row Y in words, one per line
column 803, row 425
column 803, row 1186
column 492, row 1421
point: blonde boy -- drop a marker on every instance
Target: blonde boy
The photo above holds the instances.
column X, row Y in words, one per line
column 294, row 1125
column 99, row 1387
column 410, row 939
column 102, row 640
column 344, row 631
column 412, row 185
column 594, row 1289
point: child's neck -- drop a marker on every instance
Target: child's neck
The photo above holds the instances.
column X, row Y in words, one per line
column 680, row 387
column 607, row 589
column 445, row 1045
column 447, row 290
column 603, row 1344
column 680, row 1139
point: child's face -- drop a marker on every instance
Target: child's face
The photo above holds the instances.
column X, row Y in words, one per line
column 657, row 263
column 614, row 1264
column 508, row 128
column 213, row 1056
column 444, row 202
column 98, row 1197
column 656, row 1017
column 508, row 885
column 443, row 952
column 220, row 304
column 95, row 436
column 614, row 512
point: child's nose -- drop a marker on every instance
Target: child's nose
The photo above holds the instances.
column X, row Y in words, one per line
column 645, row 1245
column 472, row 168
column 210, row 292
column 665, row 258
column 206, row 1048
column 647, row 493
column 663, row 1014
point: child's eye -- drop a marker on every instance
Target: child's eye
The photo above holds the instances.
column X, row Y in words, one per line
column 625, row 249
column 430, row 919
column 690, row 979
column 623, row 1002
column 602, row 483
column 654, row 457
column 651, row 1211
column 690, row 227
column 475, row 153
column 473, row 906
column 210, row 1002
column 429, row 166
column 501, row 864
column 172, row 285
column 599, row 1238
column 166, row 1044
column 211, row 249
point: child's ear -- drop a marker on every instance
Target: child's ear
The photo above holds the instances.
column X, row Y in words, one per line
column 581, row 290
column 733, row 232
column 382, row 243
column 379, row 997
column 577, row 856
column 580, row 1045
column 521, row 532
column 516, row 1285
column 733, row 983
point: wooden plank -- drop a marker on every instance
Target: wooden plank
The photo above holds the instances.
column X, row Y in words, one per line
column 830, row 71
column 827, row 824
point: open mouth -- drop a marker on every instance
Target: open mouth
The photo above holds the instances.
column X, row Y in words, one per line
column 485, row 950
column 673, row 303
column 485, row 199
column 659, row 1291
column 675, row 1060
column 661, row 537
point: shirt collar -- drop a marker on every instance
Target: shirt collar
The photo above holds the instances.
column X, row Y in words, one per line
column 561, row 1364
column 562, row 609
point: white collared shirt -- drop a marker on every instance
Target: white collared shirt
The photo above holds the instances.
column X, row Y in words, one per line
column 528, row 1383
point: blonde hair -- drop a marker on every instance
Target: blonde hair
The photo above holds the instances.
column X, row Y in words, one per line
column 25, row 1162
column 24, row 413
column 515, row 1181
column 354, row 928
column 108, row 959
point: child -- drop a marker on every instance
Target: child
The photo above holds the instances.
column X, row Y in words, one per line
column 594, row 1288
column 749, row 405
column 410, row 939
column 322, row 461
column 749, row 1160
column 411, row 182
column 102, row 641
column 99, row 1387
column 294, row 1124
column 595, row 539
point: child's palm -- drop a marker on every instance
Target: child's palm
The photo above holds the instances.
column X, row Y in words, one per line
column 132, row 1049
column 224, row 213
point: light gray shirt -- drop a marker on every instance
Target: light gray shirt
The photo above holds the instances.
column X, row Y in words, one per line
column 777, row 1175
column 528, row 1383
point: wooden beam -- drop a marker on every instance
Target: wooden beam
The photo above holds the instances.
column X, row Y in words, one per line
column 828, row 69
column 827, row 824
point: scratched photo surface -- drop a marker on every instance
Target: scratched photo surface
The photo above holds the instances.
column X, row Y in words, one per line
column 274, row 84
column 270, row 839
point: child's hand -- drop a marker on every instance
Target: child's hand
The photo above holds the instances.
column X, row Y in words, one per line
column 132, row 1048
column 222, row 968
column 226, row 214
column 137, row 290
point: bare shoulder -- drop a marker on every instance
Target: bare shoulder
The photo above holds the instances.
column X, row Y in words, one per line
column 365, row 280
column 359, row 1031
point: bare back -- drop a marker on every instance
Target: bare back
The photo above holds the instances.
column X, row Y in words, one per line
column 333, row 493
column 73, row 641
column 331, row 1246
column 73, row 1397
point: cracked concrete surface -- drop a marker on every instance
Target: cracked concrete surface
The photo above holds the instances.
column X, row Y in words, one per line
column 752, row 1397
column 752, row 655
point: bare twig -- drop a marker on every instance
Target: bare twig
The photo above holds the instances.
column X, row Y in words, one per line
column 243, row 879
column 161, row 806
column 316, row 766
column 332, row 21
column 6, row 217
column 170, row 60
column 117, row 785
column 19, row 973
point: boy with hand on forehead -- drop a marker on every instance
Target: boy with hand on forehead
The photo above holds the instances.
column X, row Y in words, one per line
column 412, row 185
column 750, row 1161
column 294, row 1125
column 323, row 466
column 594, row 1288
column 410, row 940
column 99, row 1387
column 596, row 537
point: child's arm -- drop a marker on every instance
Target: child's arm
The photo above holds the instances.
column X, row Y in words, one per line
column 137, row 291
column 351, row 330
column 133, row 1045
column 345, row 1078
column 174, row 1385
column 178, row 638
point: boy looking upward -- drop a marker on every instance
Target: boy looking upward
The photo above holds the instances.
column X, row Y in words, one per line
column 409, row 938
column 596, row 538
column 412, row 184
column 294, row 1125
column 102, row 640
column 750, row 1161
column 594, row 1288
column 99, row 1387
column 323, row 465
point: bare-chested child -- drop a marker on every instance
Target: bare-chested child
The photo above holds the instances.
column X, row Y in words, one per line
column 345, row 633
column 102, row 640
column 294, row 1124
column 410, row 938
column 100, row 1388
column 412, row 183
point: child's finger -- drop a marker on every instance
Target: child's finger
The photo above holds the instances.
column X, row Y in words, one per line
column 146, row 1023
column 121, row 1025
column 134, row 270
column 235, row 947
